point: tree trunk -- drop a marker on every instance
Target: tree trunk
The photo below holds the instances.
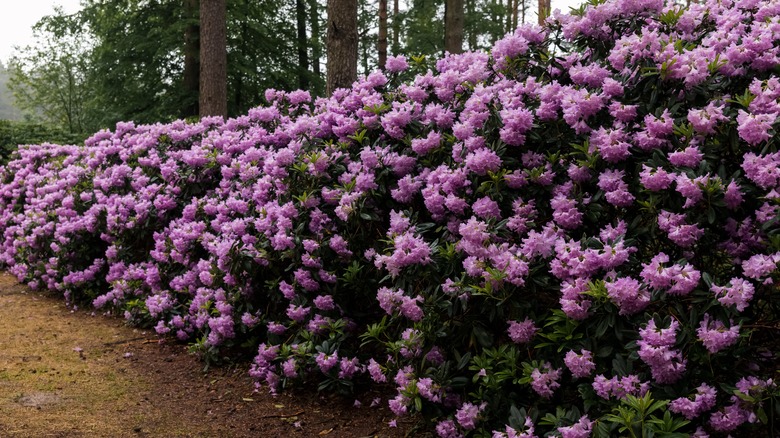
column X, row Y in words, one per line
column 316, row 47
column 544, row 11
column 303, row 53
column 382, row 39
column 453, row 26
column 523, row 8
column 515, row 6
column 396, row 28
column 497, row 17
column 472, row 32
column 508, row 17
column 238, row 77
column 191, row 58
column 342, row 44
column 213, row 58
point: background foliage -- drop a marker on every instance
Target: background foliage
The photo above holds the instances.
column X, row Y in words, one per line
column 121, row 60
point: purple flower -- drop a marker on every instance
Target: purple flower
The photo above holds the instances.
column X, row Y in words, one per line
column 616, row 190
column 754, row 128
column 324, row 302
column 522, row 332
column 396, row 64
column 760, row 266
column 737, row 294
column 375, row 370
column 429, row 390
column 580, row 429
column 297, row 313
column 706, row 119
column 655, row 349
column 399, row 405
column 611, row 144
column 326, row 361
column 483, row 161
column 410, row 308
column 678, row 231
column 619, row 387
column 448, row 429
column 581, row 365
column 544, row 380
column 565, row 212
column 348, row 367
column 486, row 208
column 729, row 418
column 628, row 295
column 655, row 179
column 289, row 368
column 422, row 146
column 715, row 335
column 509, row 432
column 689, row 157
column 468, row 414
column 702, row 401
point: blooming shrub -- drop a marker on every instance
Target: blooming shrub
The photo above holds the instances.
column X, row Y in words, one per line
column 574, row 236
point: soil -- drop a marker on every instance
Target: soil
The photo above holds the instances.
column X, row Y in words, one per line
column 66, row 373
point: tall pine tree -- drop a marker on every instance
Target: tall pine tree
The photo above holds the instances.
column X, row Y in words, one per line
column 213, row 58
column 342, row 44
column 453, row 26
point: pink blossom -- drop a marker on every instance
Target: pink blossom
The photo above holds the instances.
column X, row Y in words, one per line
column 522, row 332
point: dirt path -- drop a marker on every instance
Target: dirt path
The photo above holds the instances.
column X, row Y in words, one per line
column 69, row 374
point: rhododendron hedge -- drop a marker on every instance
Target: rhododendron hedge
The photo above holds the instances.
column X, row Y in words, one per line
column 574, row 235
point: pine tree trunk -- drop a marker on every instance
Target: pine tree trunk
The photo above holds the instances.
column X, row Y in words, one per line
column 508, row 16
column 191, row 58
column 472, row 32
column 342, row 44
column 453, row 26
column 213, row 58
column 544, row 11
column 523, row 8
column 396, row 28
column 382, row 39
column 316, row 44
column 303, row 52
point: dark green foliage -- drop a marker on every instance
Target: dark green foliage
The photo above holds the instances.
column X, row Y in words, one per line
column 14, row 133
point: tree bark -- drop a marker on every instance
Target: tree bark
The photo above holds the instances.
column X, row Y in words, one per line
column 524, row 7
column 382, row 39
column 396, row 28
column 544, row 11
column 191, row 58
column 316, row 44
column 472, row 31
column 453, row 26
column 303, row 50
column 213, row 58
column 509, row 15
column 342, row 44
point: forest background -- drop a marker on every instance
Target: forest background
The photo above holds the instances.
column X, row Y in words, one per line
column 121, row 60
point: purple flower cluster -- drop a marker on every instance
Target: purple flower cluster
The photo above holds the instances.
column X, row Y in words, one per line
column 655, row 349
